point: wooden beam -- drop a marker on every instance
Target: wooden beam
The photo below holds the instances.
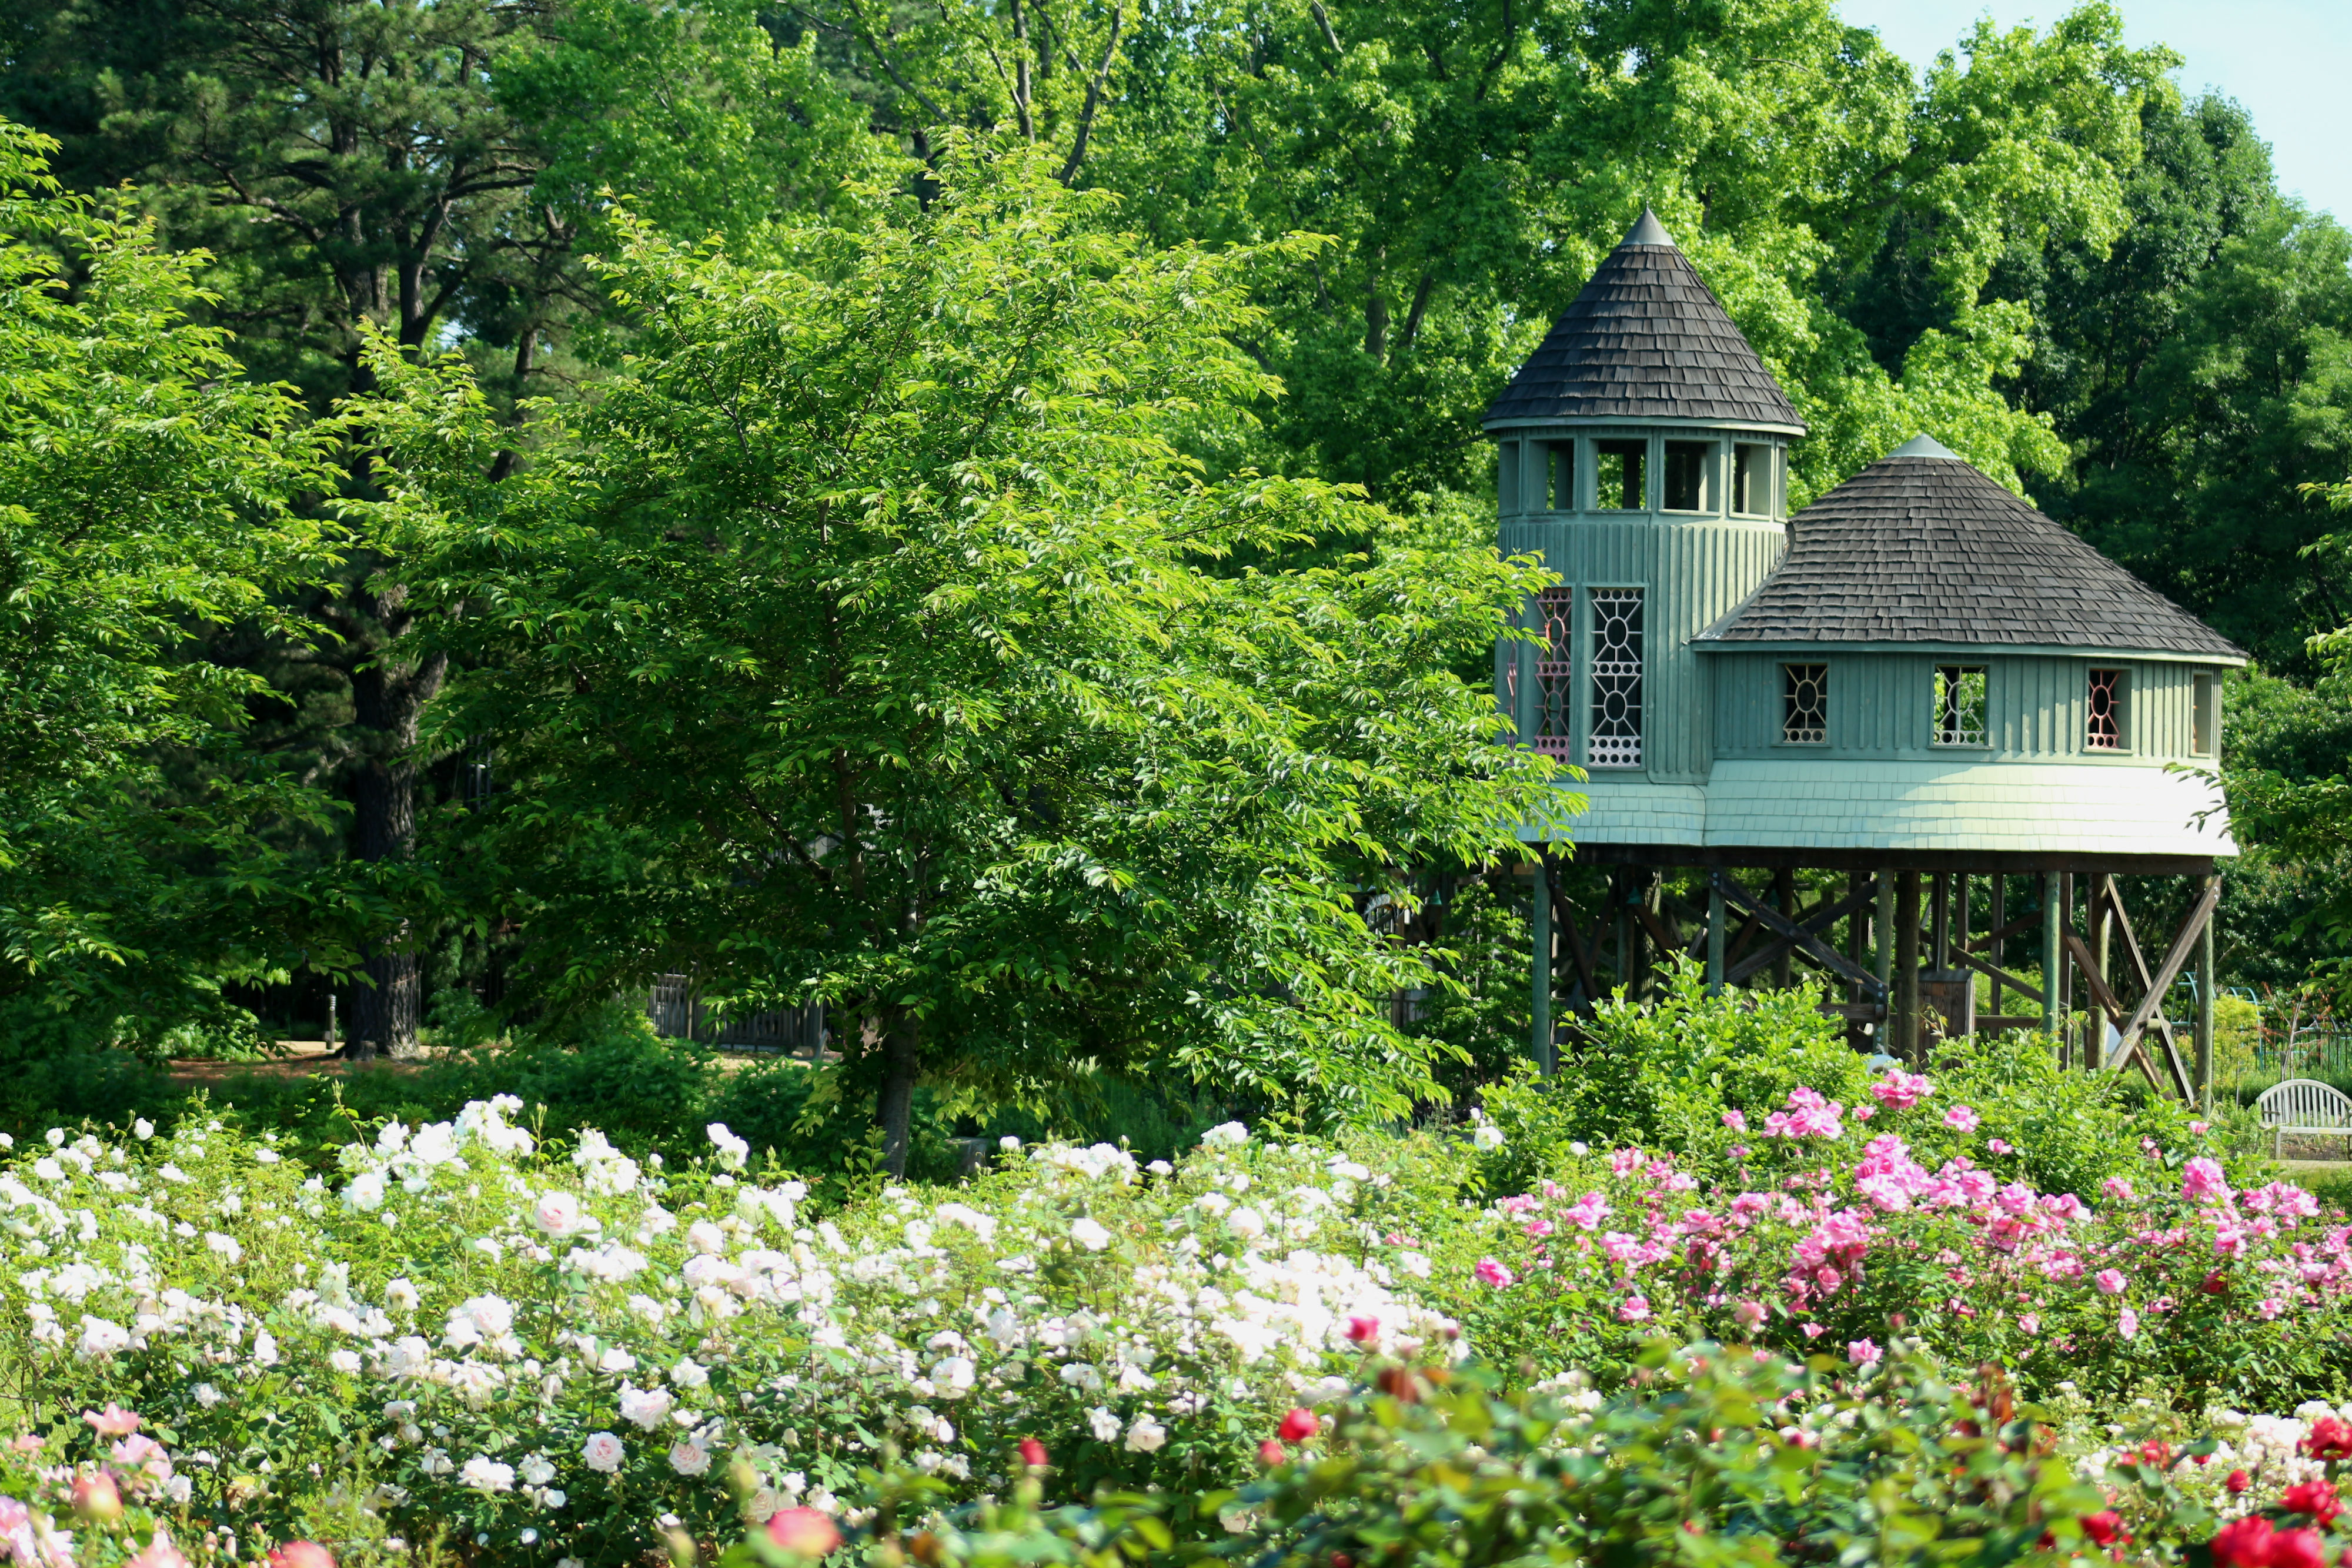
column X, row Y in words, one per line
column 1564, row 916
column 2184, row 941
column 1817, row 921
column 2000, row 975
column 1806, row 940
column 2111, row 1007
column 2115, row 905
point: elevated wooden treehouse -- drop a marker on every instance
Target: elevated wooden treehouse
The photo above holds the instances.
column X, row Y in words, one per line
column 1917, row 681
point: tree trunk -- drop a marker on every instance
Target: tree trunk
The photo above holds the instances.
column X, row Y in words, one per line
column 894, row 1106
column 388, row 699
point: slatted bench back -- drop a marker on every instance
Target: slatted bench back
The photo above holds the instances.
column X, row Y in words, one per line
column 2306, row 1105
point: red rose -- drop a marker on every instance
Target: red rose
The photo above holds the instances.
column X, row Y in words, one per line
column 2330, row 1438
column 2238, row 1481
column 2103, row 1526
column 2297, row 1548
column 2243, row 1543
column 2317, row 1498
column 1033, row 1453
column 1298, row 1425
column 1272, row 1452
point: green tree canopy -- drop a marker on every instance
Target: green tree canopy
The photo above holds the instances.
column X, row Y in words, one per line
column 869, row 639
column 147, row 489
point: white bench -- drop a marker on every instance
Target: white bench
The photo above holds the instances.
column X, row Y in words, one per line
column 2303, row 1105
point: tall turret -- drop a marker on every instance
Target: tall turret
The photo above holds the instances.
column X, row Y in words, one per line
column 1642, row 453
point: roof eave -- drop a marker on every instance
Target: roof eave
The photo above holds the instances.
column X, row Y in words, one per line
column 1522, row 422
column 1706, row 643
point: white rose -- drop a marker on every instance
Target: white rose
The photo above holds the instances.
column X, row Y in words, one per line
column 732, row 1150
column 557, row 1214
column 1232, row 1135
column 485, row 1474
column 366, row 1191
column 687, row 1459
column 604, row 1452
column 645, row 1407
column 1103, row 1424
column 1090, row 1234
column 1146, row 1435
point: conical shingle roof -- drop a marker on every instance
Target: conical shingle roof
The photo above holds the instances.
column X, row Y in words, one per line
column 1646, row 339
column 1921, row 547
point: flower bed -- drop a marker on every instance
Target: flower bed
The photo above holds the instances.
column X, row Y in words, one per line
column 554, row 1351
column 1840, row 1228
column 567, row 1350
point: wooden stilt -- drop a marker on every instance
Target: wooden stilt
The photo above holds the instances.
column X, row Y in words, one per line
column 1715, row 936
column 1784, row 898
column 1910, row 1042
column 2206, row 979
column 1939, row 942
column 1999, row 901
column 1539, row 983
column 1882, row 935
column 2053, row 964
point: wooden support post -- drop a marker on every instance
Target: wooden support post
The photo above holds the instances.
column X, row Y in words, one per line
column 2000, row 913
column 1784, row 898
column 2206, row 980
column 1939, row 941
column 1882, row 935
column 2053, row 963
column 1563, row 915
column 1857, row 949
column 1715, row 934
column 1539, row 991
column 1910, row 1039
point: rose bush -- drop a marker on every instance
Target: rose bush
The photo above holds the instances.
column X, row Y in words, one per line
column 563, row 1351
column 1902, row 1210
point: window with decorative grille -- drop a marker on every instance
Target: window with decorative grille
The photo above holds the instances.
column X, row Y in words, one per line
column 1959, row 704
column 1805, row 704
column 1555, row 672
column 2104, row 708
column 1616, row 738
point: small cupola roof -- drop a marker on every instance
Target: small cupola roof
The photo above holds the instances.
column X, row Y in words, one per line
column 1647, row 340
column 1921, row 547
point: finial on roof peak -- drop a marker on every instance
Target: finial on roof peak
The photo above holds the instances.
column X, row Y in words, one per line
column 1648, row 230
column 1925, row 446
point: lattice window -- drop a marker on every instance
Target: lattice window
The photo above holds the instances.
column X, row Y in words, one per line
column 1805, row 704
column 1616, row 738
column 1555, row 672
column 2104, row 711
column 1959, row 704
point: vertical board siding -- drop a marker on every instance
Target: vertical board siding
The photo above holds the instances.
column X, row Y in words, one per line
column 1882, row 705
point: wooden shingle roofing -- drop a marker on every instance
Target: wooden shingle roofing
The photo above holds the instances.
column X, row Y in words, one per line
column 1646, row 339
column 1921, row 547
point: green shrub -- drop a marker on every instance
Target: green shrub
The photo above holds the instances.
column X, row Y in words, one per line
column 1663, row 1075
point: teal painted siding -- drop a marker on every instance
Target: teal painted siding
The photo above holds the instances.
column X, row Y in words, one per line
column 1881, row 707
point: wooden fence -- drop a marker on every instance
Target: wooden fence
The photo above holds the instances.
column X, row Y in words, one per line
column 679, row 1013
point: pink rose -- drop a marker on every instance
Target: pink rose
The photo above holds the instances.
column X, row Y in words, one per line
column 2110, row 1281
column 1862, row 1351
column 1490, row 1272
column 1899, row 1090
column 1960, row 1119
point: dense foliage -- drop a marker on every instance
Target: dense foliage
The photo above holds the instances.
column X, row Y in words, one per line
column 147, row 488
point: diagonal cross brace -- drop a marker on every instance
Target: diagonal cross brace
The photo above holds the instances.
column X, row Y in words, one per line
column 1805, row 938
column 2175, row 960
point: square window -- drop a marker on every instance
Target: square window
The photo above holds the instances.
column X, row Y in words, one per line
column 1617, row 483
column 1805, row 704
column 2103, row 710
column 1959, row 704
column 1751, row 479
column 1616, row 738
column 1562, row 466
column 1686, row 474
